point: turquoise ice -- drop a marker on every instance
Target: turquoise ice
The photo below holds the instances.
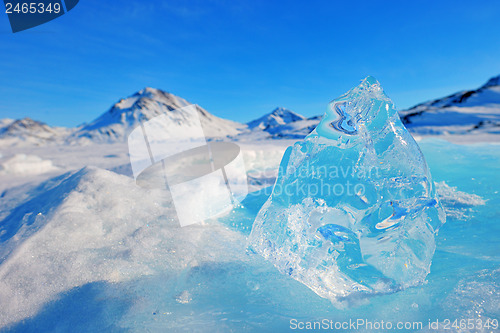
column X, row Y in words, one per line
column 354, row 209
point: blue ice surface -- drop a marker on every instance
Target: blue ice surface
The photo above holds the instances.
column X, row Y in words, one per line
column 252, row 296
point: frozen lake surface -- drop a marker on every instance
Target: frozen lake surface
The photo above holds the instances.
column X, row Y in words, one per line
column 88, row 250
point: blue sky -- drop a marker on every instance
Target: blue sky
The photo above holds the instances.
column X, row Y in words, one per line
column 241, row 59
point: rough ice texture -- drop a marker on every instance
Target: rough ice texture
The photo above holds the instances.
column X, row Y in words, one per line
column 354, row 209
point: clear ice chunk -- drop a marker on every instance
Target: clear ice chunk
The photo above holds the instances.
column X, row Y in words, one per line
column 354, row 209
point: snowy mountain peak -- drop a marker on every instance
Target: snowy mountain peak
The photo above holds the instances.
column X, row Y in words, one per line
column 487, row 94
column 27, row 128
column 279, row 116
column 152, row 92
column 283, row 112
column 26, row 123
column 5, row 122
column 493, row 82
column 461, row 113
column 146, row 104
column 142, row 97
column 148, row 90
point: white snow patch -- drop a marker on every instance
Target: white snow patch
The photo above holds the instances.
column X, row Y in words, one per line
column 22, row 164
column 94, row 225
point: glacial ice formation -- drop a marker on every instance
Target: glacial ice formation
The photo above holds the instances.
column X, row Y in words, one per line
column 354, row 209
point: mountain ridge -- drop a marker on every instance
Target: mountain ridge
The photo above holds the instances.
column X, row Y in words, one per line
column 142, row 106
column 464, row 112
column 279, row 116
column 29, row 130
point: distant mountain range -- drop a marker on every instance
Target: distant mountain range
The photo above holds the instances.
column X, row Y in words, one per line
column 30, row 131
column 470, row 111
column 281, row 123
column 465, row 112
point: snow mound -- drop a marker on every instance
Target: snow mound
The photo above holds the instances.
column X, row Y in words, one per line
column 22, row 164
column 94, row 225
column 476, row 295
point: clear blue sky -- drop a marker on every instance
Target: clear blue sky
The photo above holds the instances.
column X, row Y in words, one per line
column 240, row 59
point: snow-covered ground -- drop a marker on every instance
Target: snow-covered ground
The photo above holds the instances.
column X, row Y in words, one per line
column 83, row 248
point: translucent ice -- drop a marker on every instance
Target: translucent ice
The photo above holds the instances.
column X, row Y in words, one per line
column 354, row 209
